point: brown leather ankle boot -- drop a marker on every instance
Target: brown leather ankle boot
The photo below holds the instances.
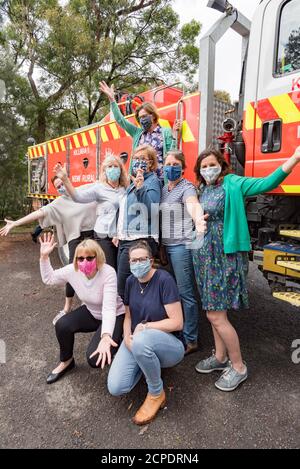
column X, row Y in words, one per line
column 150, row 407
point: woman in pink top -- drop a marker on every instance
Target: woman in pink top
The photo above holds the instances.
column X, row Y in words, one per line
column 102, row 310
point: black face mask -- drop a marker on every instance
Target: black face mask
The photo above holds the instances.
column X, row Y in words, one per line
column 146, row 122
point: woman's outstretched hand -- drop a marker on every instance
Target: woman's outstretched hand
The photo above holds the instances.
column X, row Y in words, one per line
column 109, row 91
column 61, row 171
column 6, row 229
column 47, row 245
column 103, row 350
column 297, row 154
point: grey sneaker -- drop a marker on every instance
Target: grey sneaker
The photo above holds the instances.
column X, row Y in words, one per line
column 211, row 364
column 231, row 379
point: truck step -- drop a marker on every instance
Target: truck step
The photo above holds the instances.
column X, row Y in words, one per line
column 290, row 297
column 293, row 265
column 290, row 233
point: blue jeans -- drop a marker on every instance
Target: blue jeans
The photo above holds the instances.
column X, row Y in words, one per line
column 151, row 350
column 181, row 262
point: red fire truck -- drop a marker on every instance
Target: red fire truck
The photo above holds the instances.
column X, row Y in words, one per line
column 263, row 134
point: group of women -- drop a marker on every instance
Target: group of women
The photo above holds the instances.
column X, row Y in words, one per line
column 146, row 316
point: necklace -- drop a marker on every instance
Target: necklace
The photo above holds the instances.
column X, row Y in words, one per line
column 144, row 287
column 113, row 187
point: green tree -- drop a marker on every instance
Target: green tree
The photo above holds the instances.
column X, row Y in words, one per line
column 222, row 96
column 65, row 49
column 292, row 51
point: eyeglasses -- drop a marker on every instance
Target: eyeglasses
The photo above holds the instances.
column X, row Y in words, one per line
column 88, row 258
column 141, row 158
column 139, row 259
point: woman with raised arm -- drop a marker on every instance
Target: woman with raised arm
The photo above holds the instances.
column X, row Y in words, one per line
column 150, row 132
column 101, row 310
column 107, row 193
column 221, row 265
column 73, row 222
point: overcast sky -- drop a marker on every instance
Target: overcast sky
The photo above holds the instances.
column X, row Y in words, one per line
column 227, row 70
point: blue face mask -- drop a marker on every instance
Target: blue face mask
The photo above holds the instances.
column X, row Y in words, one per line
column 113, row 173
column 62, row 190
column 173, row 172
column 141, row 269
column 146, row 122
column 139, row 164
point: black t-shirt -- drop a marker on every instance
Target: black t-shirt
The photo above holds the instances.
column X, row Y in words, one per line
column 149, row 306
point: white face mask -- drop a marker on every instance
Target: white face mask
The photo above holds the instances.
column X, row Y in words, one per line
column 211, row 174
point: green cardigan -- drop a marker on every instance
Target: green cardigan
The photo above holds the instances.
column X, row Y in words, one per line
column 169, row 143
column 235, row 233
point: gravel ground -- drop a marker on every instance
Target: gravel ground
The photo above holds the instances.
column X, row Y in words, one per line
column 78, row 412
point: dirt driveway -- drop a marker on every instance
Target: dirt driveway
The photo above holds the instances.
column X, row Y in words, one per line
column 78, row 412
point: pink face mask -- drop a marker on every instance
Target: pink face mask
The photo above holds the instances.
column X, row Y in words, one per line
column 87, row 267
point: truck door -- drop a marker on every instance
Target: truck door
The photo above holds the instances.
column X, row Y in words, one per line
column 277, row 100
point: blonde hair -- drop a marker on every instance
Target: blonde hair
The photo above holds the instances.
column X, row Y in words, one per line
column 109, row 158
column 151, row 154
column 150, row 109
column 93, row 247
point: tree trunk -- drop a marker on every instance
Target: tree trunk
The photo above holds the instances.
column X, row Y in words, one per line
column 41, row 125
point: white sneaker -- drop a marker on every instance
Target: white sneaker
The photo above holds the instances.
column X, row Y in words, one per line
column 58, row 316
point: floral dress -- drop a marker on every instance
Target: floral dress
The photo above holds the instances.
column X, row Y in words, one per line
column 221, row 278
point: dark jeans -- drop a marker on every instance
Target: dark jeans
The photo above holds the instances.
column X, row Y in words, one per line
column 37, row 231
column 110, row 250
column 72, row 248
column 81, row 320
column 123, row 261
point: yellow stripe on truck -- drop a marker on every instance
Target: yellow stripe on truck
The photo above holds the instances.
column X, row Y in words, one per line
column 84, row 140
column 250, row 117
column 103, row 134
column 56, row 147
column 114, row 131
column 285, row 108
column 187, row 134
column 62, row 144
column 290, row 189
column 93, row 136
column 76, row 141
column 164, row 123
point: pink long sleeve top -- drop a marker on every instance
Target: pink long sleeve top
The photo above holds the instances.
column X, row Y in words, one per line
column 98, row 294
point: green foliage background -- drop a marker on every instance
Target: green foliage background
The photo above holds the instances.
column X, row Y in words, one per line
column 53, row 55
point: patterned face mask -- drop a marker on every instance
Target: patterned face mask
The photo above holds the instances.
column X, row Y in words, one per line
column 62, row 190
column 211, row 174
column 141, row 269
column 173, row 172
column 139, row 164
column 146, row 122
column 87, row 267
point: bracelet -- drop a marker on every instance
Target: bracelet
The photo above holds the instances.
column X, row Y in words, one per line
column 106, row 334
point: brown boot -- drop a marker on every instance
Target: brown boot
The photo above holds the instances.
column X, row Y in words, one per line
column 149, row 408
column 191, row 347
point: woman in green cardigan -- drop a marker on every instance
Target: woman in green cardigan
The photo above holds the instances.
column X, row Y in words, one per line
column 163, row 139
column 221, row 264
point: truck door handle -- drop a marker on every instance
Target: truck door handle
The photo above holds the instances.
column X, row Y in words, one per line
column 271, row 136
